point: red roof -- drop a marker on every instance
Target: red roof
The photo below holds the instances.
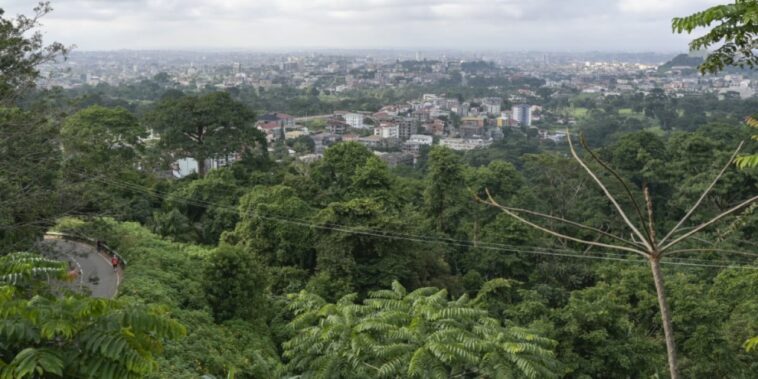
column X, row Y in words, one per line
column 270, row 125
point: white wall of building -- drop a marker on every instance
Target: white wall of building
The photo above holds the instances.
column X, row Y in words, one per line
column 522, row 114
column 464, row 144
column 184, row 167
column 421, row 139
column 387, row 131
column 355, row 120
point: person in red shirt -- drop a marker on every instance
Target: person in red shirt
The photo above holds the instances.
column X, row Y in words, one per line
column 114, row 262
column 73, row 272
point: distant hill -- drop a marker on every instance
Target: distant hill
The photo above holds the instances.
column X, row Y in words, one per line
column 688, row 64
column 682, row 60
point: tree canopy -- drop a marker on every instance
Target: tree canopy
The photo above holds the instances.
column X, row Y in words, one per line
column 205, row 127
column 46, row 335
column 735, row 29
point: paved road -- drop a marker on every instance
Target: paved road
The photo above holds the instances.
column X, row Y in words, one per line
column 96, row 271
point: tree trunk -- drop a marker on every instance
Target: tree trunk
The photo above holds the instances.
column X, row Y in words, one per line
column 201, row 169
column 668, row 329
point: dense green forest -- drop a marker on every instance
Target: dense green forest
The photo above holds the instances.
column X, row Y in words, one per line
column 349, row 268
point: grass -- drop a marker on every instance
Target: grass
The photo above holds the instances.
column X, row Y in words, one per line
column 657, row 130
column 578, row 112
column 330, row 98
column 626, row 112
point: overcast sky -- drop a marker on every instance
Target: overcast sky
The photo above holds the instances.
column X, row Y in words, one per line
column 544, row 25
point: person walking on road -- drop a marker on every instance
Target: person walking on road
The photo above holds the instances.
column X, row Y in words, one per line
column 114, row 262
column 73, row 272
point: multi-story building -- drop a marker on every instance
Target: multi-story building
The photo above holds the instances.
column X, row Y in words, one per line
column 355, row 120
column 337, row 125
column 407, row 127
column 387, row 130
column 414, row 143
column 472, row 127
column 491, row 105
column 284, row 120
column 272, row 129
column 464, row 144
column 523, row 114
column 436, row 127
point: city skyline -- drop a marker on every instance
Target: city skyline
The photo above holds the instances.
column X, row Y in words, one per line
column 498, row 25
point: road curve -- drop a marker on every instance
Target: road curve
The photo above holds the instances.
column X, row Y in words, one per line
column 96, row 271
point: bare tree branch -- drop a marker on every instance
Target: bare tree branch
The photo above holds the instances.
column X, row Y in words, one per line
column 492, row 202
column 610, row 197
column 569, row 222
column 650, row 221
column 618, row 177
column 705, row 193
column 709, row 223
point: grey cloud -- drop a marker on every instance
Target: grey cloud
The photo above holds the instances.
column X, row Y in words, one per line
column 517, row 24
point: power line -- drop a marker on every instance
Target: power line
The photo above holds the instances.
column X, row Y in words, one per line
column 416, row 238
column 343, row 228
column 381, row 233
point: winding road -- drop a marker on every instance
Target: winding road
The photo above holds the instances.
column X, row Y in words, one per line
column 96, row 273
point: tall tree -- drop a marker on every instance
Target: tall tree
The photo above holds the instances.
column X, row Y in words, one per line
column 101, row 145
column 205, row 127
column 361, row 259
column 644, row 240
column 445, row 197
column 208, row 203
column 29, row 163
column 270, row 226
column 105, row 137
column 23, row 51
column 335, row 173
column 736, row 27
column 235, row 284
column 737, row 31
column 745, row 161
column 29, row 154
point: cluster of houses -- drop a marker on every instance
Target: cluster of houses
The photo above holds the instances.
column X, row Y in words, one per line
column 398, row 132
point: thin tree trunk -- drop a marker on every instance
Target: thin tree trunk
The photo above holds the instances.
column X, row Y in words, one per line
column 668, row 329
column 201, row 169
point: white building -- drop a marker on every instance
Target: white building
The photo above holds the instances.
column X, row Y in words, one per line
column 355, row 120
column 387, row 131
column 187, row 166
column 413, row 144
column 523, row 114
column 464, row 144
column 421, row 139
column 310, row 158
column 491, row 105
column 491, row 109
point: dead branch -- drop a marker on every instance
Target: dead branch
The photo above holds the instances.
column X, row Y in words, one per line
column 705, row 193
column 569, row 222
column 492, row 202
column 610, row 197
column 709, row 223
column 618, row 178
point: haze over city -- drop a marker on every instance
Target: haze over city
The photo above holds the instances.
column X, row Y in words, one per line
column 544, row 25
